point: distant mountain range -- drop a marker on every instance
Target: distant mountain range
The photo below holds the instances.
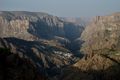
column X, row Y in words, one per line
column 78, row 21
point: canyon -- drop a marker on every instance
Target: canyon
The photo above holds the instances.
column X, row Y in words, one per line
column 62, row 48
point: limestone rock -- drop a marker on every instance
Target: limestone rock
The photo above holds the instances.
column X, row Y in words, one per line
column 102, row 34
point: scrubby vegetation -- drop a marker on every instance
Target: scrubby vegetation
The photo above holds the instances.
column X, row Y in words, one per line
column 12, row 67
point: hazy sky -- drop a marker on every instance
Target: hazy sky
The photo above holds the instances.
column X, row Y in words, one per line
column 63, row 8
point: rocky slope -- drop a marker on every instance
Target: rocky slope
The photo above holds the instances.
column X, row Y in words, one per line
column 12, row 67
column 48, row 56
column 98, row 67
column 102, row 35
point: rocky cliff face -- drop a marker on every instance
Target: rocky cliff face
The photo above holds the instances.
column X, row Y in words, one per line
column 28, row 25
column 102, row 35
column 33, row 26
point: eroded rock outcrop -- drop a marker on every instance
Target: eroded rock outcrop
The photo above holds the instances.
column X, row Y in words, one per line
column 28, row 25
column 102, row 35
column 32, row 26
